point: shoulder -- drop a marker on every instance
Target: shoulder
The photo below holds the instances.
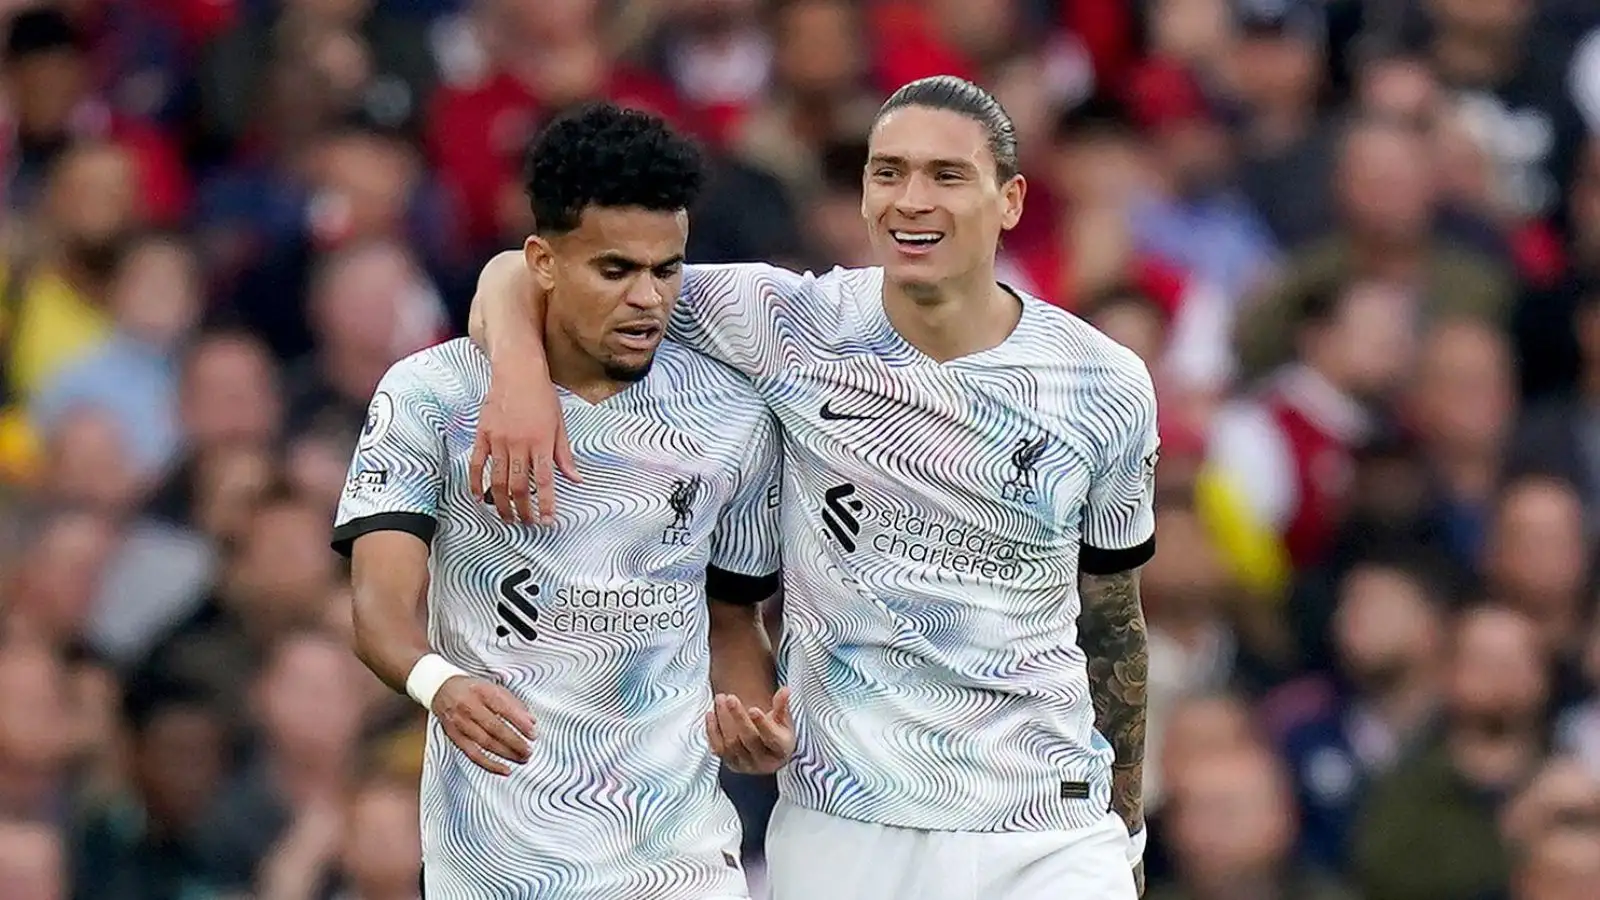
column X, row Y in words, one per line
column 680, row 370
column 1084, row 360
column 685, row 380
column 454, row 373
column 777, row 283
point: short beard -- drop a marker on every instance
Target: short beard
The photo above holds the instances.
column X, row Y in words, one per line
column 628, row 374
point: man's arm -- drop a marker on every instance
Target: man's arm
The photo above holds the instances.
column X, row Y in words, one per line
column 750, row 726
column 520, row 428
column 725, row 312
column 1111, row 632
column 385, row 523
column 1118, row 536
column 389, row 576
column 741, row 660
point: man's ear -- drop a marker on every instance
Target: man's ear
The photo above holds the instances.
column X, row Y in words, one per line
column 541, row 260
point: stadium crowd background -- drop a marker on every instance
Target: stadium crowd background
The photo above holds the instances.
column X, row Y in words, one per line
column 1358, row 243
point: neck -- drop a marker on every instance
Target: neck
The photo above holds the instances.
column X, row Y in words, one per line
column 406, row 892
column 1475, row 59
column 1276, row 128
column 1495, row 763
column 953, row 319
column 306, row 775
column 1466, row 475
column 576, row 370
column 353, row 374
column 1406, row 707
column 1398, row 261
column 1262, row 884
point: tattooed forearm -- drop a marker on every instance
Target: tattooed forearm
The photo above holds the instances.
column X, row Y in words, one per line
column 1112, row 633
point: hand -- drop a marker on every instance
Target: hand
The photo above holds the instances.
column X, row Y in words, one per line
column 521, row 425
column 482, row 719
column 749, row 740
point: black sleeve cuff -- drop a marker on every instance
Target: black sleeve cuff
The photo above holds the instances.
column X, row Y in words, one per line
column 344, row 536
column 1095, row 561
column 739, row 590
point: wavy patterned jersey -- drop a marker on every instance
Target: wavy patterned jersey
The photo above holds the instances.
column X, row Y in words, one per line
column 599, row 625
column 934, row 518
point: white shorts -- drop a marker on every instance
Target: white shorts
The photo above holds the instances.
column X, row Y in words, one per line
column 815, row 856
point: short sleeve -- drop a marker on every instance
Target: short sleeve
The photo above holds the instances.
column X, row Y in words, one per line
column 732, row 313
column 397, row 475
column 745, row 550
column 1119, row 520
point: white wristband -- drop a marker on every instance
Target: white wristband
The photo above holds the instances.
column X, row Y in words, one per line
column 428, row 675
column 1136, row 842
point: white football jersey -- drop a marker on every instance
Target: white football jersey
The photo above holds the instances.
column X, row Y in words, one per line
column 599, row 624
column 936, row 517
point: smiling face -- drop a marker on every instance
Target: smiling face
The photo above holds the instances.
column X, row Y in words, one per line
column 612, row 284
column 932, row 197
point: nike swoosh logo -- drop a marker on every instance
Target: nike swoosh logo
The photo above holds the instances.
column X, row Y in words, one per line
column 830, row 416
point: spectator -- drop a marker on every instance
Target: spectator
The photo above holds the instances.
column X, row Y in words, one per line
column 307, row 701
column 1561, row 865
column 49, row 97
column 1554, row 438
column 821, row 69
column 1461, row 406
column 1388, row 201
column 31, row 861
column 35, row 737
column 155, row 299
column 1286, row 158
column 364, row 187
column 56, row 582
column 1441, row 803
column 57, row 300
column 362, row 58
column 277, row 577
column 228, row 397
column 1195, row 220
column 1537, row 562
column 369, row 307
column 1387, row 629
column 142, row 844
column 1290, row 450
column 1233, row 833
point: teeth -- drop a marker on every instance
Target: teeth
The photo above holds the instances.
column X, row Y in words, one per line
column 916, row 237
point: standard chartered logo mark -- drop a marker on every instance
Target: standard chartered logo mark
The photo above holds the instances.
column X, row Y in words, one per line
column 841, row 513
column 936, row 543
column 634, row 607
column 518, row 596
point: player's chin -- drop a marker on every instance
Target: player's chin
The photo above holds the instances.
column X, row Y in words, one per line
column 629, row 366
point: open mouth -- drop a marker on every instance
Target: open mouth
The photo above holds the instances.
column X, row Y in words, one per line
column 916, row 240
column 639, row 336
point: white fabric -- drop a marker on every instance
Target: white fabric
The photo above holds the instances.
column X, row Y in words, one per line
column 815, row 856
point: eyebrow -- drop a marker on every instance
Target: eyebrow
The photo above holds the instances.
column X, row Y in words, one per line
column 883, row 159
column 611, row 257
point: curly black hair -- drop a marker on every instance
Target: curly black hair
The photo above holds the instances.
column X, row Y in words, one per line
column 603, row 155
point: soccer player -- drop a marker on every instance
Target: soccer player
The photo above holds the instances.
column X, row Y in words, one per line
column 968, row 480
column 598, row 633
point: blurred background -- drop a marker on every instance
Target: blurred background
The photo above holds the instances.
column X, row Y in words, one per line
column 1357, row 242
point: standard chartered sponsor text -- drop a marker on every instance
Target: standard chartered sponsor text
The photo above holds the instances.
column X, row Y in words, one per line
column 952, row 548
column 634, row 607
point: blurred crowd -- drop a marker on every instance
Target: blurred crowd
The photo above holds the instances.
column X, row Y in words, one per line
column 1357, row 242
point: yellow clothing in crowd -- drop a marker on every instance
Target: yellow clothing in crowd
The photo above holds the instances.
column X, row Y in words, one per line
column 47, row 325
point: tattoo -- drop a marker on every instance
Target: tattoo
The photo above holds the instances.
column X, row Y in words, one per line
column 1112, row 633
